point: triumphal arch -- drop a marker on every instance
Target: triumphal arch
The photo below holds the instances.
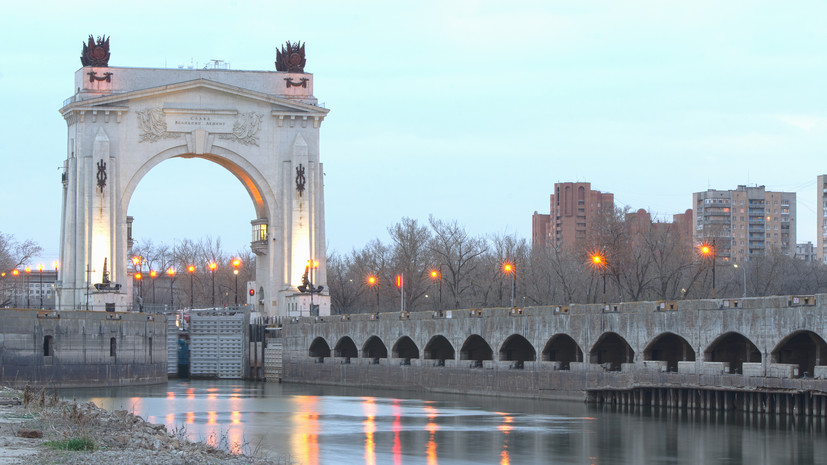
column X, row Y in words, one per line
column 262, row 126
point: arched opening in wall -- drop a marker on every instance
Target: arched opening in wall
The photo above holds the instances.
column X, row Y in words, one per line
column 477, row 349
column 805, row 349
column 406, row 349
column 345, row 348
column 517, row 349
column 439, row 349
column 563, row 349
column 191, row 211
column 735, row 349
column 319, row 349
column 670, row 348
column 611, row 351
column 48, row 346
column 374, row 349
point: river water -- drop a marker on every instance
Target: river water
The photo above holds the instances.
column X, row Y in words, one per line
column 312, row 425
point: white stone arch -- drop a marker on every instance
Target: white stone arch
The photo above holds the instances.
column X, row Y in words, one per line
column 262, row 127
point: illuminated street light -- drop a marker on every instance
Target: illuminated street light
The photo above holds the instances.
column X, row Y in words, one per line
column 28, row 294
column 213, row 266
column 153, row 275
column 437, row 274
column 509, row 268
column 191, row 270
column 598, row 260
column 708, row 250
column 373, row 282
column 15, row 272
column 171, row 273
column 236, row 264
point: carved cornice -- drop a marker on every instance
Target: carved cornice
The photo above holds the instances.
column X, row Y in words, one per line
column 78, row 114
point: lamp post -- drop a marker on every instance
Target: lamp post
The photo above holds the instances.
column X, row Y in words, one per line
column 709, row 250
column 191, row 270
column 236, row 264
column 744, row 269
column 373, row 282
column 40, row 291
column 509, row 268
column 598, row 260
column 307, row 284
column 15, row 272
column 213, row 266
column 437, row 274
column 153, row 275
column 28, row 295
column 139, row 277
column 171, row 273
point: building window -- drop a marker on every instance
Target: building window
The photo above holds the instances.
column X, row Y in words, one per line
column 48, row 347
column 113, row 347
column 149, row 345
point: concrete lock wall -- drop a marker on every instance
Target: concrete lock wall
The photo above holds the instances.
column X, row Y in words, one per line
column 79, row 349
column 771, row 343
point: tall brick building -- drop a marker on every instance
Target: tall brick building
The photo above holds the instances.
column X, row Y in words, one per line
column 574, row 205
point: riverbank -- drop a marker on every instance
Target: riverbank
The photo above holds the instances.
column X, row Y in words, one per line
column 37, row 428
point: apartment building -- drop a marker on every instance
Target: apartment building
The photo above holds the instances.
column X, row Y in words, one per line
column 745, row 222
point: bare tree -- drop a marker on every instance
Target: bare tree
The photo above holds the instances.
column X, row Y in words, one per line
column 457, row 257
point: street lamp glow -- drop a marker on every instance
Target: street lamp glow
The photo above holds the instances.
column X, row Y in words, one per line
column 213, row 266
column 138, row 276
column 15, row 272
column 191, row 269
column 152, row 274
column 171, row 271
column 508, row 267
column 434, row 274
column 372, row 280
column 236, row 263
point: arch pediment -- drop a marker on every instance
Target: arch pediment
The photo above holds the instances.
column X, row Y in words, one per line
column 122, row 101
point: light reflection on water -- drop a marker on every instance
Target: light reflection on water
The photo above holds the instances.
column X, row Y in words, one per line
column 321, row 425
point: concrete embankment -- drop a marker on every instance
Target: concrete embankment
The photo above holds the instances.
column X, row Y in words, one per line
column 33, row 424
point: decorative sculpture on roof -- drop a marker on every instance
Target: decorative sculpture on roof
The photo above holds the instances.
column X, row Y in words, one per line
column 96, row 53
column 291, row 58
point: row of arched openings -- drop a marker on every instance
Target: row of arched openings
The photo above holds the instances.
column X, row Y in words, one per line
column 804, row 348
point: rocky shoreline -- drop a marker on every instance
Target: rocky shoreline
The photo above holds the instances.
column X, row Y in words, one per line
column 34, row 425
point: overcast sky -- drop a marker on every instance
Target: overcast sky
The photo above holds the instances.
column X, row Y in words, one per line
column 464, row 110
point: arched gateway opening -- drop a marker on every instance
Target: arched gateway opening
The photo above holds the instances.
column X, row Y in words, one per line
column 262, row 127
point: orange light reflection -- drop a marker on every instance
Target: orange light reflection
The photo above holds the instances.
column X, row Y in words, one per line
column 190, row 418
column 431, row 427
column 369, row 407
column 212, row 417
column 506, row 428
column 305, row 439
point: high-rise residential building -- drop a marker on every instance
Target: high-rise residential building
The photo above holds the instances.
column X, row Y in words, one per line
column 574, row 205
column 821, row 223
column 745, row 222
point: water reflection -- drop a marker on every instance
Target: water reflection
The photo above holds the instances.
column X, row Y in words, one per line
column 321, row 425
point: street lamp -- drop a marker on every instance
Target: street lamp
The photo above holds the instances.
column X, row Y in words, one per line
column 373, row 282
column 744, row 269
column 139, row 277
column 708, row 250
column 437, row 274
column 15, row 272
column 171, row 273
column 236, row 264
column 213, row 266
column 40, row 291
column 28, row 295
column 509, row 268
column 153, row 275
column 191, row 270
column 598, row 260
